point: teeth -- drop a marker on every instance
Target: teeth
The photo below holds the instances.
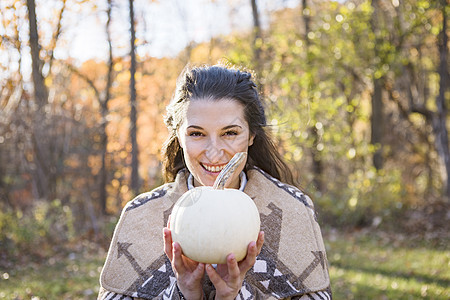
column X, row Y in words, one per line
column 214, row 169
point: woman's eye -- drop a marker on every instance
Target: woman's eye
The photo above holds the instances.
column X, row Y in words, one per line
column 231, row 132
column 195, row 133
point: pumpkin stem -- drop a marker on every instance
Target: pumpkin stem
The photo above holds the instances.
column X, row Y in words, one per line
column 229, row 170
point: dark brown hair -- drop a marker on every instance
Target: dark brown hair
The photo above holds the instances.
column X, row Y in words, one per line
column 217, row 83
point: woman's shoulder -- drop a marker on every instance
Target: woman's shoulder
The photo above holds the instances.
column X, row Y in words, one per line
column 154, row 194
column 267, row 181
column 170, row 189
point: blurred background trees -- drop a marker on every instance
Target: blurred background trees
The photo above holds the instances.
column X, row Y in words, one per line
column 356, row 93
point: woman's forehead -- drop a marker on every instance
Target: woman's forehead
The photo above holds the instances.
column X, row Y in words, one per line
column 223, row 111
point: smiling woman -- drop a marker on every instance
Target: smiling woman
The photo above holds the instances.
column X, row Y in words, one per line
column 212, row 132
column 221, row 96
column 215, row 113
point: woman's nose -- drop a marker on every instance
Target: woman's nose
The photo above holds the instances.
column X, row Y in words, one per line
column 214, row 151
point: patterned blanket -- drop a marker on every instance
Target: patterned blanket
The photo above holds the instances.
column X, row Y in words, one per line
column 292, row 261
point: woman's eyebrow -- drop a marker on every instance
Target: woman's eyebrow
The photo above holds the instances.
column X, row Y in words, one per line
column 231, row 126
column 224, row 128
column 195, row 127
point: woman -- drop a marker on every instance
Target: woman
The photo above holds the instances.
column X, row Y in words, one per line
column 215, row 113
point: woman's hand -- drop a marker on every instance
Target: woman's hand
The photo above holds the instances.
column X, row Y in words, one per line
column 189, row 273
column 228, row 278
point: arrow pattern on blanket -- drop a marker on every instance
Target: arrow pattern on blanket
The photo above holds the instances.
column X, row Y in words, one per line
column 157, row 278
column 269, row 274
column 122, row 249
column 318, row 259
column 150, row 282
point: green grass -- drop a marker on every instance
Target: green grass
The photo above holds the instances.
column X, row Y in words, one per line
column 73, row 277
column 363, row 266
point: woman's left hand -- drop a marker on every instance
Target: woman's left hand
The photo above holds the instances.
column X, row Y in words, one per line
column 228, row 278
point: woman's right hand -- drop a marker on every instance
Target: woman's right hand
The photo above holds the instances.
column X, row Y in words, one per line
column 189, row 273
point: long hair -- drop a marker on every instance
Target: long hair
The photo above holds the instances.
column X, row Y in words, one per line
column 217, row 83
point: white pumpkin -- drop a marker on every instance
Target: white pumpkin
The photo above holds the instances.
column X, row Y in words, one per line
column 211, row 223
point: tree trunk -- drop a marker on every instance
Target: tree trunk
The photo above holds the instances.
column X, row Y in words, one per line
column 104, row 153
column 317, row 165
column 256, row 31
column 306, row 20
column 376, row 123
column 257, row 43
column 316, row 157
column 135, row 184
column 41, row 155
column 104, row 112
column 376, row 119
column 439, row 122
column 40, row 90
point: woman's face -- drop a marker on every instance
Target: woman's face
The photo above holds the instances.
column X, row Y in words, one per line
column 212, row 132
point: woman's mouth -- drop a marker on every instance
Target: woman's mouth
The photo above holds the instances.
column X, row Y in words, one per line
column 213, row 169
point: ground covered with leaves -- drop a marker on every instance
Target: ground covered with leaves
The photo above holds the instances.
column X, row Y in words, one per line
column 364, row 264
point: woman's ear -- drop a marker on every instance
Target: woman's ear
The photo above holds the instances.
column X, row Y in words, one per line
column 250, row 140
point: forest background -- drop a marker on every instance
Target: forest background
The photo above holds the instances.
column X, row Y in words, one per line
column 356, row 94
